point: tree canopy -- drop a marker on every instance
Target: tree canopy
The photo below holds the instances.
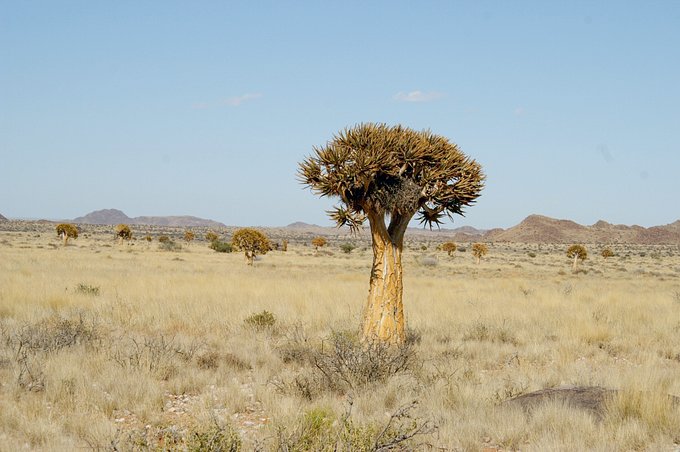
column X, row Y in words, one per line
column 395, row 171
column 252, row 242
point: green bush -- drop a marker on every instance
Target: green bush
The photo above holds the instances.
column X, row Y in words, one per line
column 347, row 247
column 221, row 247
column 261, row 320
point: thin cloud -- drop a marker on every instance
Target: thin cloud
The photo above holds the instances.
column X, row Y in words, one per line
column 418, row 96
column 238, row 100
column 519, row 111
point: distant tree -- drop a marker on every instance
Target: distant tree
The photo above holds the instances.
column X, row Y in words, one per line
column 318, row 242
column 284, row 245
column 390, row 173
column 164, row 239
column 252, row 242
column 479, row 250
column 578, row 253
column 607, row 253
column 148, row 238
column 449, row 247
column 123, row 232
column 189, row 236
column 67, row 231
column 347, row 247
column 210, row 236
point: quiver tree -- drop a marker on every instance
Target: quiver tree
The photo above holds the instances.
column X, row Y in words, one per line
column 318, row 242
column 123, row 232
column 607, row 253
column 210, row 236
column 479, row 250
column 578, row 253
column 67, row 231
column 252, row 242
column 449, row 247
column 388, row 174
column 189, row 236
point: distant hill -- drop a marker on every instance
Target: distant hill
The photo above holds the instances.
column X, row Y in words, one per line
column 3, row 218
column 115, row 216
column 541, row 229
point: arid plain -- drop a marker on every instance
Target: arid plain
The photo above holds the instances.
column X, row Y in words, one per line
column 110, row 346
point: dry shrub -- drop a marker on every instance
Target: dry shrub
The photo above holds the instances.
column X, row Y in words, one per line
column 345, row 363
column 319, row 429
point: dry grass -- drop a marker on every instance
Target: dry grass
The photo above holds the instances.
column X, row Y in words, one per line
column 130, row 347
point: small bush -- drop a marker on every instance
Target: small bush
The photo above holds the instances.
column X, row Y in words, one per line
column 531, row 254
column 345, row 363
column 347, row 247
column 221, row 247
column 168, row 245
column 87, row 289
column 261, row 320
column 213, row 437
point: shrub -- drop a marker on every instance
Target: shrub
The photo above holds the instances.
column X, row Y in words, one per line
column 261, row 320
column 213, row 437
column 87, row 289
column 210, row 236
column 347, row 247
column 168, row 245
column 349, row 364
column 148, row 238
column 221, row 247
column 164, row 239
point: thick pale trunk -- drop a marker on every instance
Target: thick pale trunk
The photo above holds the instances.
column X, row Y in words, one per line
column 384, row 312
column 250, row 257
column 64, row 237
column 575, row 261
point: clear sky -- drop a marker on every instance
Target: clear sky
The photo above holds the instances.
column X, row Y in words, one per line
column 205, row 108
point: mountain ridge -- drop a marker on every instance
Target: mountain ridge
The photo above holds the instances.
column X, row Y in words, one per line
column 115, row 216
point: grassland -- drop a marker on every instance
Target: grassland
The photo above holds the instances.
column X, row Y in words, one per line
column 130, row 347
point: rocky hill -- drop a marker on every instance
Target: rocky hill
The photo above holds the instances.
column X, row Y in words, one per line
column 3, row 218
column 541, row 229
column 115, row 216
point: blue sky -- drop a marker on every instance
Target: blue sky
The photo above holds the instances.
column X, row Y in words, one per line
column 205, row 108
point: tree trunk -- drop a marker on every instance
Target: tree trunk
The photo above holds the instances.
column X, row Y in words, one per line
column 384, row 312
column 64, row 237
column 575, row 261
column 250, row 257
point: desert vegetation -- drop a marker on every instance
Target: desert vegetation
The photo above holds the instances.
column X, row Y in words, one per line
column 479, row 250
column 577, row 253
column 390, row 173
column 67, row 231
column 449, row 248
column 193, row 351
column 252, row 242
column 123, row 233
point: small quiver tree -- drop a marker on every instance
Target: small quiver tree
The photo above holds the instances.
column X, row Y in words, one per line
column 189, row 236
column 449, row 247
column 284, row 245
column 252, row 242
column 67, row 231
column 479, row 250
column 388, row 174
column 607, row 253
column 318, row 242
column 210, row 236
column 123, row 232
column 578, row 253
